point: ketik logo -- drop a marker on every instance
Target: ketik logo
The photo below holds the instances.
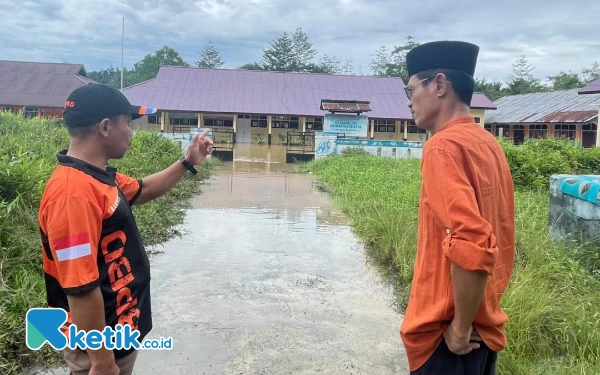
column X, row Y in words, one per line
column 44, row 325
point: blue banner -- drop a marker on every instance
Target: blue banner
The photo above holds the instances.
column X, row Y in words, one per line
column 349, row 125
column 378, row 143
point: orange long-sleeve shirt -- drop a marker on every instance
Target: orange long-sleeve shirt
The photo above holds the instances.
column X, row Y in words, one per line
column 466, row 217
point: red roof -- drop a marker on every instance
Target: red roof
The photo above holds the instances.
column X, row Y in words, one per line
column 35, row 84
column 480, row 101
column 561, row 106
column 345, row 106
column 190, row 89
column 591, row 88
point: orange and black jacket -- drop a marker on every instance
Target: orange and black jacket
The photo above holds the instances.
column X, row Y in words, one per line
column 90, row 239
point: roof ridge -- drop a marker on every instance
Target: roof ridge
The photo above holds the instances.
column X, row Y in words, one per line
column 140, row 83
column 80, row 78
column 277, row 71
column 42, row 62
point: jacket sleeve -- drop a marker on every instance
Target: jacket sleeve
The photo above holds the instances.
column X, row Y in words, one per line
column 470, row 243
column 131, row 187
column 73, row 227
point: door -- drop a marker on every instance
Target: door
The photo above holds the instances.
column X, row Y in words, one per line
column 243, row 131
column 519, row 134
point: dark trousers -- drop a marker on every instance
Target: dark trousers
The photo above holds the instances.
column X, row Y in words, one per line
column 480, row 361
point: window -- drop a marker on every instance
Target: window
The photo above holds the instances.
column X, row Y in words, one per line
column 314, row 123
column 182, row 122
column 488, row 127
column 477, row 120
column 385, row 126
column 154, row 119
column 564, row 131
column 414, row 129
column 31, row 112
column 278, row 122
column 257, row 121
column 538, row 131
column 209, row 122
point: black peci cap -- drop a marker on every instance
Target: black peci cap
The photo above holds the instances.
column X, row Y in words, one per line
column 89, row 104
column 455, row 55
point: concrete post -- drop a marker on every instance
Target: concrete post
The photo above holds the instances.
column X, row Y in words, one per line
column 269, row 126
column 235, row 118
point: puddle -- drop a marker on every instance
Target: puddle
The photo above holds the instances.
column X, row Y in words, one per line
column 268, row 278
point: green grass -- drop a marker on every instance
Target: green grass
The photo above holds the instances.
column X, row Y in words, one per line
column 553, row 300
column 26, row 162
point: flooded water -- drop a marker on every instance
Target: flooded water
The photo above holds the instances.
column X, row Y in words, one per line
column 268, row 278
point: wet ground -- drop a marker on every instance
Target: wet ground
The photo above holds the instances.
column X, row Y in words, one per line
column 268, row 278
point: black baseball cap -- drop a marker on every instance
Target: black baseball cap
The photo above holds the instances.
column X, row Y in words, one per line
column 91, row 103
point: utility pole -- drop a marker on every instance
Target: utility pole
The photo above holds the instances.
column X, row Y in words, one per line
column 122, row 50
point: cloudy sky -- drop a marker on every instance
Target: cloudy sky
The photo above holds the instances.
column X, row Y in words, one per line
column 562, row 36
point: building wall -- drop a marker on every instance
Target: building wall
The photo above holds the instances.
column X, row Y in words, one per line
column 40, row 112
column 479, row 113
column 402, row 130
column 584, row 135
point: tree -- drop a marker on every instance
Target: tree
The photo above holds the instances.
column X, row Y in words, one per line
column 210, row 57
column 523, row 81
column 290, row 53
column 147, row 68
column 522, row 69
column 280, row 55
column 393, row 64
column 110, row 76
column 493, row 90
column 380, row 62
column 252, row 66
column 591, row 74
column 565, row 81
column 302, row 49
column 347, row 69
column 329, row 65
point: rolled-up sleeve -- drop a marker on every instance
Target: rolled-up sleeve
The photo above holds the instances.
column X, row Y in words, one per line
column 470, row 243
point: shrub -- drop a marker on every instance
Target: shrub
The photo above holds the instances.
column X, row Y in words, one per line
column 26, row 163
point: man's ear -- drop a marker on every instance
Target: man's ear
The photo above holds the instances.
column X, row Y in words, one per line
column 103, row 127
column 441, row 84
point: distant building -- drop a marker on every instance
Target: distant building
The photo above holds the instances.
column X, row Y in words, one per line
column 563, row 114
column 269, row 104
column 38, row 89
column 591, row 88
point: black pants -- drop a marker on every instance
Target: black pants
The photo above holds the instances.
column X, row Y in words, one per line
column 480, row 361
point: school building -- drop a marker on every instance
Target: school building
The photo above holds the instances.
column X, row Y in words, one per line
column 562, row 114
column 266, row 105
column 39, row 89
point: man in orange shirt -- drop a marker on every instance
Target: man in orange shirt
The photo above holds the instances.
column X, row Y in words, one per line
column 94, row 262
column 466, row 234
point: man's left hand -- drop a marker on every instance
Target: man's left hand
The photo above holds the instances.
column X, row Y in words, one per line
column 199, row 148
column 461, row 342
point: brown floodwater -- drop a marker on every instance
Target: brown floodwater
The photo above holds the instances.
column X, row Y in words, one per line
column 268, row 278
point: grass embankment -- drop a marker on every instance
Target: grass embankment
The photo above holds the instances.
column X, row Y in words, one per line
column 553, row 301
column 26, row 162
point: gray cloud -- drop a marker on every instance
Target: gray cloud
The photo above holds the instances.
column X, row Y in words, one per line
column 553, row 37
